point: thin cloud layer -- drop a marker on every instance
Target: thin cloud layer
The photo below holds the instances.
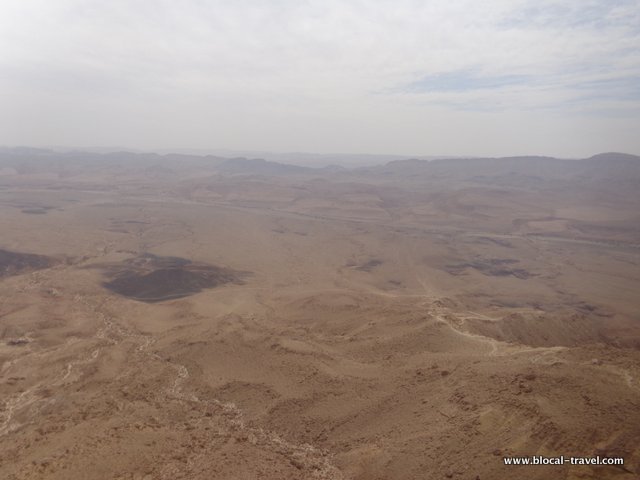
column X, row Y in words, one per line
column 435, row 77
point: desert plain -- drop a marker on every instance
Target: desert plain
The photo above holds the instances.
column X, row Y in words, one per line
column 185, row 317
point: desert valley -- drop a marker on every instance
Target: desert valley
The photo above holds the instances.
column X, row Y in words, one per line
column 196, row 317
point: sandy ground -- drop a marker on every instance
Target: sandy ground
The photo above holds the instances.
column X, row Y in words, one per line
column 380, row 330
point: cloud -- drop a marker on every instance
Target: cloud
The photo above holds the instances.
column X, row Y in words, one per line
column 596, row 14
column 578, row 56
column 463, row 80
column 269, row 68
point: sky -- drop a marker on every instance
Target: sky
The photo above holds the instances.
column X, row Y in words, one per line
column 429, row 77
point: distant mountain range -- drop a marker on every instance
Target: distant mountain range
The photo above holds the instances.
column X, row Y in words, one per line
column 505, row 170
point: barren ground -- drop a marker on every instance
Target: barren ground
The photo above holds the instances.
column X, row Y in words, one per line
column 331, row 326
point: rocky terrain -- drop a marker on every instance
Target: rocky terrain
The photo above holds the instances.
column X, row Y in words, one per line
column 168, row 317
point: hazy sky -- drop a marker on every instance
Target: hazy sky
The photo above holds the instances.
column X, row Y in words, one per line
column 492, row 77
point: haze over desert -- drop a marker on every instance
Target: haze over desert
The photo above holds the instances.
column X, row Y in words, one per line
column 197, row 317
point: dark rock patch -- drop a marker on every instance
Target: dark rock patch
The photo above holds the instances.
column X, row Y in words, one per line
column 491, row 240
column 496, row 267
column 151, row 279
column 15, row 263
column 35, row 209
column 370, row 265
